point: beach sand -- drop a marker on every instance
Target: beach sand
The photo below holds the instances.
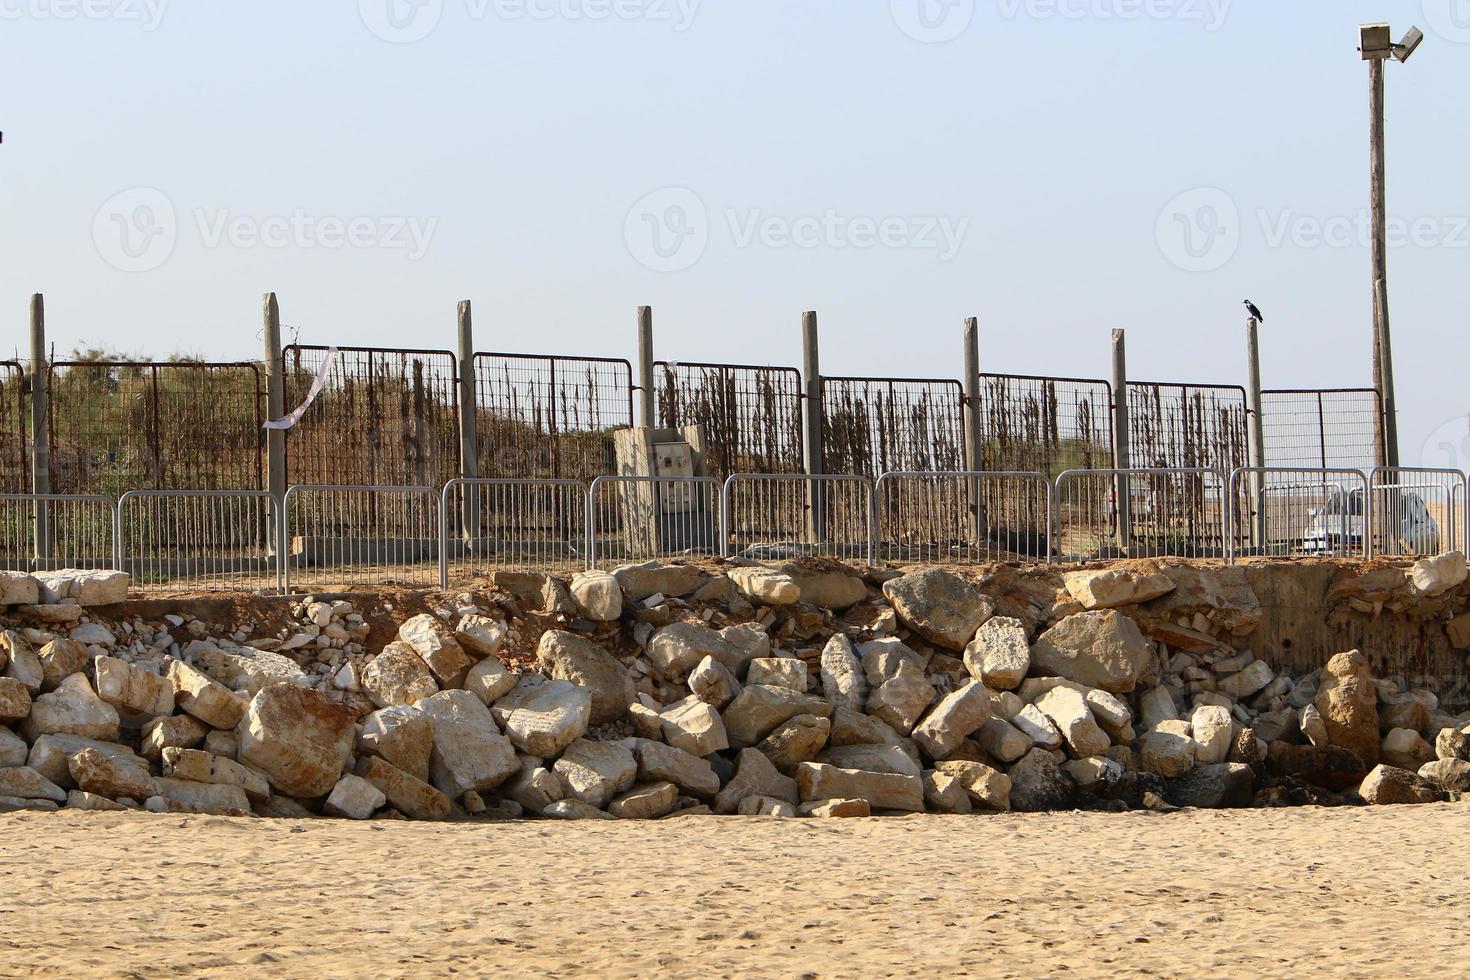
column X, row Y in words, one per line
column 1347, row 892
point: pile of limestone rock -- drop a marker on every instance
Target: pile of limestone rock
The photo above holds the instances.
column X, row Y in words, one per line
column 668, row 689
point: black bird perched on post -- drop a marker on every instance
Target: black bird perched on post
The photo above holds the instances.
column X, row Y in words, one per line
column 1255, row 313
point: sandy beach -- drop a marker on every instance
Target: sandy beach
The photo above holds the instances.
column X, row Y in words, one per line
column 1353, row 892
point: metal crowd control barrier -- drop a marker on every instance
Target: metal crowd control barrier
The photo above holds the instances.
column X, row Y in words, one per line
column 642, row 518
column 964, row 517
column 489, row 524
column 773, row 516
column 200, row 540
column 41, row 532
column 1286, row 513
column 356, row 536
column 1170, row 513
column 1417, row 512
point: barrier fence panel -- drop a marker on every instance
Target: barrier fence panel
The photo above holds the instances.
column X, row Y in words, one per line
column 385, row 417
column 873, row 426
column 963, row 517
column 771, row 517
column 76, row 531
column 1172, row 513
column 117, row 425
column 751, row 415
column 198, row 541
column 1044, row 425
column 1330, row 428
column 1287, row 513
column 543, row 417
column 15, row 464
column 1417, row 512
column 1184, row 426
column 489, row 524
column 359, row 536
column 642, row 518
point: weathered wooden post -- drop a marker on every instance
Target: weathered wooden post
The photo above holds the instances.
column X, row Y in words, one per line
column 974, row 441
column 275, row 439
column 1257, row 447
column 40, row 381
column 811, row 362
column 469, row 443
column 1123, row 489
column 646, row 387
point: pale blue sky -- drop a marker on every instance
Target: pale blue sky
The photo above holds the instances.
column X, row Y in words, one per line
column 1051, row 138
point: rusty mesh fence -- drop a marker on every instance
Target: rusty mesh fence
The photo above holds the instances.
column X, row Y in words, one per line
column 117, row 426
column 384, row 417
column 873, row 426
column 14, row 464
column 1184, row 426
column 1045, row 425
column 751, row 416
column 550, row 418
column 1326, row 429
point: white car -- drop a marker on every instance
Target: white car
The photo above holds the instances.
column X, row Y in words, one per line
column 1337, row 528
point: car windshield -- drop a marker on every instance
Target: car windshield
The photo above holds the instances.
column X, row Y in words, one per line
column 1340, row 503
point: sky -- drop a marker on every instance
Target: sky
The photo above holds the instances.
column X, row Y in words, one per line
column 1057, row 168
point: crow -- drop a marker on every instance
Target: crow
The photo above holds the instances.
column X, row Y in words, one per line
column 1255, row 313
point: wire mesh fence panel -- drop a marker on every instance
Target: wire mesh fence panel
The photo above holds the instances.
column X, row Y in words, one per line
column 873, row 426
column 1326, row 429
column 384, row 417
column 117, row 426
column 751, row 416
column 15, row 466
column 353, row 537
column 51, row 531
column 1045, row 425
column 638, row 518
column 490, row 524
column 964, row 518
column 1284, row 512
column 1173, row 426
column 772, row 517
column 198, row 541
column 1417, row 512
column 1170, row 513
column 543, row 417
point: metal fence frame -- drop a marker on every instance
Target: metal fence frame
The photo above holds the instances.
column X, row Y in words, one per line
column 1265, row 472
column 816, row 517
column 223, row 537
column 288, row 526
column 726, row 402
column 893, row 442
column 42, row 522
column 15, row 469
column 1340, row 429
column 1457, row 490
column 473, row 506
column 967, row 518
column 1060, row 414
column 1123, row 526
column 653, row 508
